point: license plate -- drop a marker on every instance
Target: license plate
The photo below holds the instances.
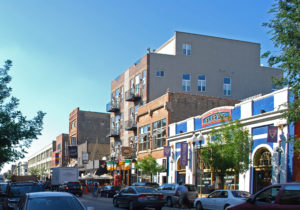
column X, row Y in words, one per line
column 152, row 198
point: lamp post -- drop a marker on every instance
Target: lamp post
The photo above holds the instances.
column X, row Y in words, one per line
column 198, row 137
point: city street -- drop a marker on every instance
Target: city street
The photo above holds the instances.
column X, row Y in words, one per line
column 103, row 203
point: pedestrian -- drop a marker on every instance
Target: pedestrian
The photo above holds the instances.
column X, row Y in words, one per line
column 95, row 189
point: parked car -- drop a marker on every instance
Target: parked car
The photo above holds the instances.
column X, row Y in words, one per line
column 138, row 197
column 171, row 196
column 15, row 190
column 148, row 184
column 221, row 199
column 108, row 191
column 277, row 196
column 3, row 187
column 71, row 187
column 50, row 201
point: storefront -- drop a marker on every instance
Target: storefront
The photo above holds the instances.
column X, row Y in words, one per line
column 271, row 153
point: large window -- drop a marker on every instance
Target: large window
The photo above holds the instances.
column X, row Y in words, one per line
column 144, row 79
column 227, row 86
column 73, row 141
column 144, row 137
column 186, row 82
column 159, row 133
column 186, row 49
column 201, row 83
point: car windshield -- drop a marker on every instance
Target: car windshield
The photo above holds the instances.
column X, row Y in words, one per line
column 240, row 194
column 20, row 190
column 146, row 190
column 57, row 203
column 190, row 188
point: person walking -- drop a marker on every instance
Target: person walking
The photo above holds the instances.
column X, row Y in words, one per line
column 95, row 189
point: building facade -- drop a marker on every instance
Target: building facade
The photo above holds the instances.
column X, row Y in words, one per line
column 273, row 159
column 189, row 63
column 88, row 132
column 60, row 156
column 42, row 160
column 154, row 118
column 22, row 168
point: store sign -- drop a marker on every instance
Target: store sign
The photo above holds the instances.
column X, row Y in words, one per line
column 126, row 151
column 184, row 154
column 56, row 158
column 216, row 116
column 73, row 152
column 85, row 158
column 272, row 134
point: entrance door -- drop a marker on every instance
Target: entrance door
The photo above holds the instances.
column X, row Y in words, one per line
column 181, row 177
column 262, row 173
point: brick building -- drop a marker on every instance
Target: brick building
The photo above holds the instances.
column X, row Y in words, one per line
column 60, row 156
column 88, row 131
column 154, row 118
column 189, row 63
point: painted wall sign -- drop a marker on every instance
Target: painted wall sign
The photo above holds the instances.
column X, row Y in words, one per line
column 215, row 116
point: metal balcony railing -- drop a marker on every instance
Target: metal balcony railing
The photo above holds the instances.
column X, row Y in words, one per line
column 113, row 107
column 114, row 132
column 130, row 125
column 133, row 95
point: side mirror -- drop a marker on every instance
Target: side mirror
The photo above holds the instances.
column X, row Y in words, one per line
column 90, row 208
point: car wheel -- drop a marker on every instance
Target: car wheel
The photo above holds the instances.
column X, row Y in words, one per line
column 169, row 202
column 199, row 206
column 115, row 203
column 226, row 206
column 130, row 206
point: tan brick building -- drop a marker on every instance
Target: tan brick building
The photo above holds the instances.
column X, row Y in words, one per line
column 154, row 118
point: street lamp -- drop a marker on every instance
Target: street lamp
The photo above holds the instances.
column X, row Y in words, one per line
column 198, row 137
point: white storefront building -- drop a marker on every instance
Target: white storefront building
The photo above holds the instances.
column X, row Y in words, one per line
column 272, row 162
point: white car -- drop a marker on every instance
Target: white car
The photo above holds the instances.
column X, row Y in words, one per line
column 221, row 199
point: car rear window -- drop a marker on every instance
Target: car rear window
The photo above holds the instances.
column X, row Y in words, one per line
column 73, row 184
column 20, row 190
column 57, row 203
column 190, row 187
column 290, row 195
column 146, row 190
column 240, row 194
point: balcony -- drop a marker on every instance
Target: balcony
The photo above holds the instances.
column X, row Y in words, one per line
column 133, row 95
column 130, row 125
column 113, row 107
column 114, row 132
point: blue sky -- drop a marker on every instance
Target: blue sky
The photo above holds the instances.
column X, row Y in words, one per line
column 65, row 53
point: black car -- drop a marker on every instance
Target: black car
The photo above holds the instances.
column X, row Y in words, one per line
column 71, row 187
column 138, row 197
column 3, row 187
column 108, row 191
column 16, row 190
column 148, row 184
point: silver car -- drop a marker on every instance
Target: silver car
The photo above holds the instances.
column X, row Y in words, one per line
column 171, row 197
column 50, row 201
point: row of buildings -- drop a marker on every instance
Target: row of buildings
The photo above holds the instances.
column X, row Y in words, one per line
column 158, row 100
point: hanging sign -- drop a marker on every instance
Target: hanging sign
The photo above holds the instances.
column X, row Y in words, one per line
column 184, row 154
column 73, row 152
column 272, row 134
column 167, row 151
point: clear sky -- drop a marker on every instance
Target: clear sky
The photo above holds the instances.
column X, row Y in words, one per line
column 65, row 53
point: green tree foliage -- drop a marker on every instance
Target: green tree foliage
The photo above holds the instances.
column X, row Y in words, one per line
column 34, row 171
column 228, row 151
column 285, row 31
column 16, row 132
column 149, row 166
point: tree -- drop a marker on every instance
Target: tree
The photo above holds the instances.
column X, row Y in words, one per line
column 16, row 132
column 34, row 171
column 285, row 30
column 149, row 166
column 228, row 151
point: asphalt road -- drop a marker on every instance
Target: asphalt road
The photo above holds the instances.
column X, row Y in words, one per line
column 104, row 203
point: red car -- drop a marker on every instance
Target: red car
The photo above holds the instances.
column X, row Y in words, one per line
column 277, row 196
